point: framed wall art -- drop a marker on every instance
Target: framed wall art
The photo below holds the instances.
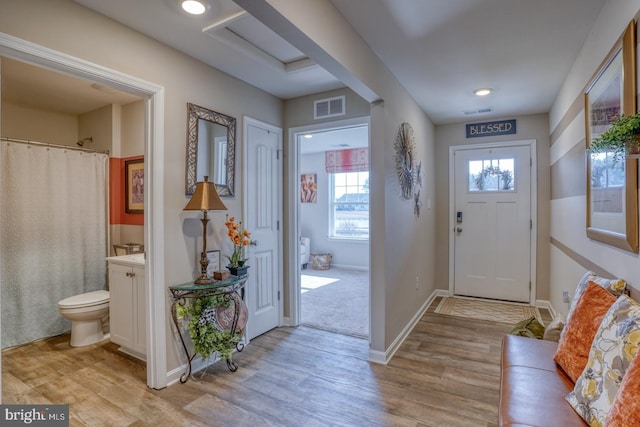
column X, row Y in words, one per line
column 308, row 188
column 134, row 185
column 612, row 187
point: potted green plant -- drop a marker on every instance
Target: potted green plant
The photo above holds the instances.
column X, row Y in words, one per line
column 621, row 139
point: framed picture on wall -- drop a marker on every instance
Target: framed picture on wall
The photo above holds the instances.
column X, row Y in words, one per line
column 134, row 186
column 308, row 188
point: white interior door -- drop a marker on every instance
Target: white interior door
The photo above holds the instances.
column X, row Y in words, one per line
column 263, row 212
column 492, row 223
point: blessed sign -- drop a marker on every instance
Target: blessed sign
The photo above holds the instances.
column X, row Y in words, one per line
column 500, row 127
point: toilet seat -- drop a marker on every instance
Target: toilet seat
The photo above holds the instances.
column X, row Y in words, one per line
column 88, row 299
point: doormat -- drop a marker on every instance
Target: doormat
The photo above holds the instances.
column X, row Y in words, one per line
column 486, row 310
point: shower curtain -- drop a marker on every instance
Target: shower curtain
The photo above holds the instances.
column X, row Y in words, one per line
column 53, row 235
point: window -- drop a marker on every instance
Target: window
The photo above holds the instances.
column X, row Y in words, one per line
column 349, row 207
column 491, row 175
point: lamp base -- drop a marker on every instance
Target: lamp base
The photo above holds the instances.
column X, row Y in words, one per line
column 204, row 280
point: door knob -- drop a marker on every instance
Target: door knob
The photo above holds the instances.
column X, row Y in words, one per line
column 459, row 229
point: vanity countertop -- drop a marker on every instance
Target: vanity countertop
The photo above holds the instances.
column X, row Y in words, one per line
column 134, row 260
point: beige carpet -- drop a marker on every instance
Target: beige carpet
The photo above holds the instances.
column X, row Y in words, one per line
column 486, row 310
column 336, row 300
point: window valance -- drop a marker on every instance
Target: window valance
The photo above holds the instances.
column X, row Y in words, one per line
column 352, row 160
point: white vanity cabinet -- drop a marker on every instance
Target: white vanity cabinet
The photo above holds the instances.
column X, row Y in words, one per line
column 127, row 306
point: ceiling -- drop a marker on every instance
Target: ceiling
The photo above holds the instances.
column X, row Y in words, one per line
column 440, row 51
column 42, row 89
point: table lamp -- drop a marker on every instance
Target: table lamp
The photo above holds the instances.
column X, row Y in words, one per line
column 205, row 198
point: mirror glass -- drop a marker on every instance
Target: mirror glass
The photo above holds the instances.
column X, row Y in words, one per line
column 210, row 149
column 612, row 185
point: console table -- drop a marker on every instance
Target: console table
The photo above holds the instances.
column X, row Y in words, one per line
column 231, row 288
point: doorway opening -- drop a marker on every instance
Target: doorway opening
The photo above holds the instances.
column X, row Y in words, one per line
column 332, row 200
column 153, row 96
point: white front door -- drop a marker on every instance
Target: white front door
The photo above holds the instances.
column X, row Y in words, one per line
column 492, row 223
column 263, row 212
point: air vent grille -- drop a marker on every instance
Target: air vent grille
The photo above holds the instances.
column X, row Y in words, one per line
column 329, row 107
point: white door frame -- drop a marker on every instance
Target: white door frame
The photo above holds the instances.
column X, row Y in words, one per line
column 531, row 143
column 15, row 48
column 294, row 211
column 249, row 121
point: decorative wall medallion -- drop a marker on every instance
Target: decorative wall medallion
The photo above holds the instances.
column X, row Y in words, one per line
column 405, row 147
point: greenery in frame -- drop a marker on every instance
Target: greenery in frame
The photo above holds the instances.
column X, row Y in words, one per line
column 207, row 338
column 621, row 139
column 505, row 176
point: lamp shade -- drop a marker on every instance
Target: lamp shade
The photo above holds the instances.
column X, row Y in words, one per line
column 205, row 198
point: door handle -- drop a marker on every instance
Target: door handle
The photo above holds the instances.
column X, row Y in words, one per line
column 253, row 242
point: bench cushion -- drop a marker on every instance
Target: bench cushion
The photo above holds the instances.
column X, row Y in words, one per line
column 532, row 386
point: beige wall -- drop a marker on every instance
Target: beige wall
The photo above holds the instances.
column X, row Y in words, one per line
column 38, row 125
column 132, row 130
column 98, row 124
column 572, row 253
column 65, row 26
column 528, row 127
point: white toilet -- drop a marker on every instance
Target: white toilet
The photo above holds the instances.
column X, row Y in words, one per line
column 86, row 312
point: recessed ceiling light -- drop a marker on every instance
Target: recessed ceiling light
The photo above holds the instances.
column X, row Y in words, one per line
column 193, row 7
column 483, row 91
column 308, row 136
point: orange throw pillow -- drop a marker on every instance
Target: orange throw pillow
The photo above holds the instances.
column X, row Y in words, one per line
column 625, row 411
column 574, row 345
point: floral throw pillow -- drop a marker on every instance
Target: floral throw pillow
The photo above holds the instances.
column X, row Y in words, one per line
column 614, row 346
column 616, row 286
column 626, row 408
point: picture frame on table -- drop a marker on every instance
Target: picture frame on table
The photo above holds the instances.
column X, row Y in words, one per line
column 213, row 257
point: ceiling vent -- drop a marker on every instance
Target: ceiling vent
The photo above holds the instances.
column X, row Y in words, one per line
column 329, row 107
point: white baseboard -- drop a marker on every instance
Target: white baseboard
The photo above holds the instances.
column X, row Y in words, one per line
column 543, row 303
column 343, row 266
column 197, row 365
column 384, row 357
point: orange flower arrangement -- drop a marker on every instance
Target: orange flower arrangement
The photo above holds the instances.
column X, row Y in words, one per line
column 240, row 238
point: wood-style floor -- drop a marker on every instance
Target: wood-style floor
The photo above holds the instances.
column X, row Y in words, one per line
column 445, row 374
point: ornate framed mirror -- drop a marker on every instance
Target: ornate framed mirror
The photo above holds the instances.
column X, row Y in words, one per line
column 211, row 150
column 612, row 183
